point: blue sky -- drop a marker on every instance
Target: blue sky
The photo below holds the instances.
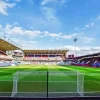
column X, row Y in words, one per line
column 52, row 24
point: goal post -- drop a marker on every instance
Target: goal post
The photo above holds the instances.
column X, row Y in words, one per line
column 66, row 84
column 15, row 80
column 48, row 83
column 29, row 84
column 80, row 83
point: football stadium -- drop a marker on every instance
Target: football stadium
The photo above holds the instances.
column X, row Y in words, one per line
column 49, row 49
column 47, row 73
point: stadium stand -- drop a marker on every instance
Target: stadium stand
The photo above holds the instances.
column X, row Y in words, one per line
column 96, row 64
column 92, row 60
column 5, row 59
column 4, row 56
column 44, row 56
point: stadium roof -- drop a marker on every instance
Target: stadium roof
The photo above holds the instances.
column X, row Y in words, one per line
column 6, row 46
column 45, row 51
column 90, row 55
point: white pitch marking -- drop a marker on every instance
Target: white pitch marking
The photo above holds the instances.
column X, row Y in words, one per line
column 97, row 82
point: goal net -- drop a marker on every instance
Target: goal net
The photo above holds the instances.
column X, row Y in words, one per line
column 48, row 84
column 65, row 84
column 29, row 84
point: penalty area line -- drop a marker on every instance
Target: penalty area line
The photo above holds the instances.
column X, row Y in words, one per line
column 97, row 82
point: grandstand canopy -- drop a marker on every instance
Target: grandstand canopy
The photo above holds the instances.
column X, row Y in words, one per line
column 45, row 51
column 89, row 56
column 6, row 46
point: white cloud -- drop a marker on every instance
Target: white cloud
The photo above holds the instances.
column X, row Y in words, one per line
column 45, row 2
column 83, row 28
column 46, row 33
column 87, row 25
column 9, row 29
column 69, row 36
column 12, row 29
column 55, row 35
column 4, row 6
column 17, row 30
column 32, row 33
column 96, row 48
column 92, row 24
column 85, row 48
column 0, row 26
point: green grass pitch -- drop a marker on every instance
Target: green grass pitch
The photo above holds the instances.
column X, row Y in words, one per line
column 57, row 83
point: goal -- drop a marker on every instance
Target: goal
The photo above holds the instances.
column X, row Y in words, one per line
column 45, row 84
